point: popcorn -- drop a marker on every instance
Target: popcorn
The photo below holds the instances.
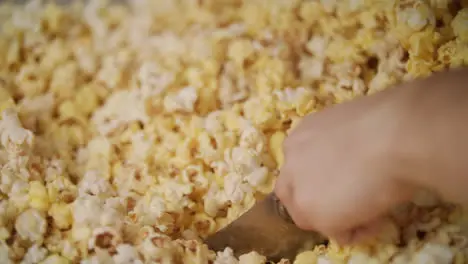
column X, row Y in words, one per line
column 184, row 100
column 12, row 131
column 459, row 26
column 31, row 225
column 126, row 254
column 38, row 197
column 432, row 253
column 226, row 257
column 252, row 257
column 312, row 69
column 306, row 257
column 29, row 81
column 276, row 147
column 93, row 184
column 64, row 80
column 61, row 214
column 86, row 208
column 35, row 254
column 104, row 238
column 112, row 115
column 55, row 259
column 4, row 254
column 69, row 251
column 126, row 127
column 240, row 50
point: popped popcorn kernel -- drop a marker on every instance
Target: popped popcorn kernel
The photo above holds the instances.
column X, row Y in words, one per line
column 55, row 259
column 61, row 214
column 35, row 254
column 184, row 100
column 130, row 132
column 31, row 225
column 252, row 257
column 459, row 24
column 38, row 197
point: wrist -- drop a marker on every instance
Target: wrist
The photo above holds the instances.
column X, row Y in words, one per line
column 407, row 144
column 401, row 148
column 427, row 140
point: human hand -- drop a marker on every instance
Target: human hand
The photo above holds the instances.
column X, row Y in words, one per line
column 342, row 168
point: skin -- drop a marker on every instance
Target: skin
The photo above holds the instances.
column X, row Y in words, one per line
column 347, row 166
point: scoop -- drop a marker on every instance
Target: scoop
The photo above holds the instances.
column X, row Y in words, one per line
column 268, row 229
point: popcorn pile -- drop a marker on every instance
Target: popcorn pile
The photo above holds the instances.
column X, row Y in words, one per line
column 130, row 133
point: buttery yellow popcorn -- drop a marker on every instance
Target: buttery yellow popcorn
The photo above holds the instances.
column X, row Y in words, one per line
column 460, row 26
column 125, row 127
column 38, row 197
column 55, row 259
column 6, row 101
column 240, row 50
column 251, row 258
column 61, row 214
column 276, row 147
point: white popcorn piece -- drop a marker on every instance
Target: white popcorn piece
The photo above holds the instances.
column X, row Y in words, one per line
column 141, row 145
column 55, row 259
column 168, row 43
column 127, row 254
column 226, row 257
column 38, row 105
column 252, row 138
column 434, row 253
column 112, row 213
column 317, row 46
column 312, row 68
column 181, row 111
column 213, row 123
column 31, row 225
column 157, row 246
column 91, row 16
column 69, row 251
column 157, row 207
column 234, row 189
column 213, row 200
column 257, row 177
column 153, row 79
column 417, row 17
column 133, row 178
column 35, row 254
column 184, row 100
column 11, row 130
column 29, row 17
column 112, row 115
column 323, row 260
column 87, row 209
column 329, row 5
column 104, row 238
column 93, row 184
column 252, row 257
column 5, row 253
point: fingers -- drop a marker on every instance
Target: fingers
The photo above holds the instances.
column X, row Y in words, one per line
column 342, row 234
column 284, row 190
column 363, row 234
